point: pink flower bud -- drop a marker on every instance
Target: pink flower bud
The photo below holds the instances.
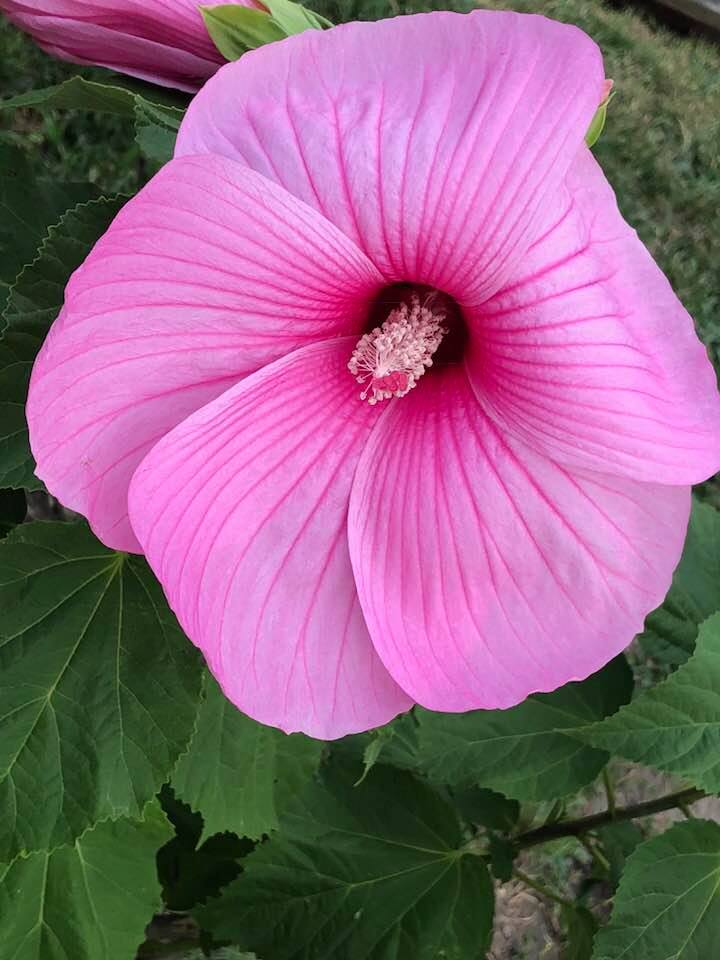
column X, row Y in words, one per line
column 164, row 41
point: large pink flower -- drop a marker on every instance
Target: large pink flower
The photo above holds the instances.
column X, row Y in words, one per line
column 503, row 523
column 164, row 41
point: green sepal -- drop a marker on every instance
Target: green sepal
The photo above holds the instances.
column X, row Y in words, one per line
column 235, row 29
column 597, row 124
column 294, row 18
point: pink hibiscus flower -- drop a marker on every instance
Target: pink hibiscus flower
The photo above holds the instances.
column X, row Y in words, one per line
column 164, row 41
column 496, row 505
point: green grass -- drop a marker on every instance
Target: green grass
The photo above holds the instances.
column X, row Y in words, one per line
column 660, row 148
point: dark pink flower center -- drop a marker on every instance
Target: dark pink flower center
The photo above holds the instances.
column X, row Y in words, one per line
column 409, row 325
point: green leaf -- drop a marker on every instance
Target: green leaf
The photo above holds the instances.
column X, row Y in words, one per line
column 371, row 754
column 671, row 630
column 90, row 900
column 485, row 808
column 156, row 129
column 190, row 877
column 618, row 842
column 236, row 29
column 118, row 96
column 525, row 752
column 365, row 873
column 580, row 928
column 190, row 873
column 238, row 773
column 222, row 953
column 34, row 302
column 27, row 208
column 13, row 507
column 674, row 726
column 229, row 953
column 502, row 855
column 395, row 745
column 98, row 686
column 667, row 906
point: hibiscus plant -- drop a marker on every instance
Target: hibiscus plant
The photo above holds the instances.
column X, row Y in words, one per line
column 369, row 428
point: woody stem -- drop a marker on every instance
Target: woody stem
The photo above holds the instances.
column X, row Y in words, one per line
column 583, row 825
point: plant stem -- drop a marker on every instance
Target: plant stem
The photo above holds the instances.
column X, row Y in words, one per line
column 599, row 858
column 609, row 792
column 541, row 888
column 574, row 828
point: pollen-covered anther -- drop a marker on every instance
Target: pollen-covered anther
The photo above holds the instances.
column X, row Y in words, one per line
column 391, row 358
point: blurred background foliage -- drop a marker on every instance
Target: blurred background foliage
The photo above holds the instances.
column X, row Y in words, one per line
column 68, row 145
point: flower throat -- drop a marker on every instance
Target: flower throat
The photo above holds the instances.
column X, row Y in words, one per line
column 391, row 358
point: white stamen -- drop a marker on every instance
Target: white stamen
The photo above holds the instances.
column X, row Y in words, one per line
column 393, row 357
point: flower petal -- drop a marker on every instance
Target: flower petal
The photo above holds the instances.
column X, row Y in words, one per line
column 241, row 512
column 487, row 572
column 431, row 140
column 589, row 355
column 164, row 41
column 209, row 273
